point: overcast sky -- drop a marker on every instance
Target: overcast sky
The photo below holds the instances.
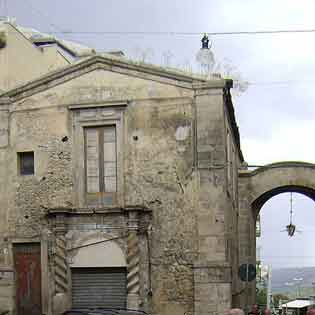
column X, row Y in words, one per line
column 276, row 114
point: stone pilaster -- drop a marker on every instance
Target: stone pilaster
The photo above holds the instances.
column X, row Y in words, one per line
column 212, row 270
column 61, row 297
column 60, row 257
column 133, row 256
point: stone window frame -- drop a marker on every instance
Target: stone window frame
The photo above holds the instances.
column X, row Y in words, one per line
column 105, row 114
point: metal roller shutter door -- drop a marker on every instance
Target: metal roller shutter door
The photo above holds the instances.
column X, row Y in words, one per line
column 99, row 287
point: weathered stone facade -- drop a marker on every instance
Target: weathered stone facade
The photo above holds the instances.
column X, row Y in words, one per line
column 173, row 188
column 180, row 219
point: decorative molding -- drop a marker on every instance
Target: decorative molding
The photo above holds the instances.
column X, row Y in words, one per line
column 133, row 279
column 211, row 84
column 133, row 261
column 97, row 104
column 278, row 165
column 60, row 254
column 4, row 101
column 53, row 212
column 60, row 262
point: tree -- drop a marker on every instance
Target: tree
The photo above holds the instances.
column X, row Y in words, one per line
column 3, row 40
column 261, row 296
column 278, row 297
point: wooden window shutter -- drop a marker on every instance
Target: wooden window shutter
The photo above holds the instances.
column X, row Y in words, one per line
column 110, row 159
column 92, row 160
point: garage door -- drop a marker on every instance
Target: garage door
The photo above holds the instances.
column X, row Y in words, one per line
column 99, row 287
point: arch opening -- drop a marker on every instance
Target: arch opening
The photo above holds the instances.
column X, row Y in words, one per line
column 95, row 253
column 290, row 258
column 257, row 188
column 259, row 202
column 98, row 273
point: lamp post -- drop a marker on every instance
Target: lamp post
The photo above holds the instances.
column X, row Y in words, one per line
column 298, row 282
column 312, row 297
column 269, row 294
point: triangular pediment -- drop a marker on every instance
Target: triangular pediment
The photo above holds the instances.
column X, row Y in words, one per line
column 107, row 63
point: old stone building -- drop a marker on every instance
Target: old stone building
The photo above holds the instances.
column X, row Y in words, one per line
column 117, row 171
column 26, row 54
column 123, row 185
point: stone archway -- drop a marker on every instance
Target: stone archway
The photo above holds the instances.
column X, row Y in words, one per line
column 255, row 188
column 98, row 269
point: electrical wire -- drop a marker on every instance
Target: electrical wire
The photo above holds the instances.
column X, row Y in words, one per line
column 98, row 242
column 5, row 7
column 58, row 30
column 44, row 16
column 285, row 82
column 163, row 33
column 168, row 33
column 284, row 256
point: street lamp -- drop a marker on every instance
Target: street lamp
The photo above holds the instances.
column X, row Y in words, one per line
column 312, row 297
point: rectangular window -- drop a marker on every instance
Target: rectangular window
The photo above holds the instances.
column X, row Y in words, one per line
column 26, row 163
column 101, row 159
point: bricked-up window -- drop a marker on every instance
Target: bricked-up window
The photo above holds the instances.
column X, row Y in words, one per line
column 101, row 159
column 26, row 163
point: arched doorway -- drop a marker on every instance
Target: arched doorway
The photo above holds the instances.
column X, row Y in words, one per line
column 98, row 273
column 285, row 261
column 255, row 189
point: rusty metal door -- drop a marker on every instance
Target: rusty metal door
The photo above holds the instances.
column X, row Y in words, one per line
column 27, row 278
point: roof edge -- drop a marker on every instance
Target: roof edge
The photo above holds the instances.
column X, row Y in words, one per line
column 281, row 164
column 179, row 79
column 231, row 116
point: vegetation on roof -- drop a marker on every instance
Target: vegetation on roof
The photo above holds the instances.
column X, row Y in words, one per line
column 3, row 40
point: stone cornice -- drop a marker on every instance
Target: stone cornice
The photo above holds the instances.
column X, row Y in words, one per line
column 217, row 83
column 113, row 64
column 278, row 165
column 4, row 101
column 95, row 104
column 96, row 211
column 231, row 116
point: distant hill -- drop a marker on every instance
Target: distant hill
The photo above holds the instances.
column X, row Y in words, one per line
column 282, row 280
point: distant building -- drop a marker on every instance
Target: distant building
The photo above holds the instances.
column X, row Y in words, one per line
column 296, row 307
column 26, row 54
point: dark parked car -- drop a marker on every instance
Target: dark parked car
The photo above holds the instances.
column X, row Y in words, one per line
column 104, row 311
